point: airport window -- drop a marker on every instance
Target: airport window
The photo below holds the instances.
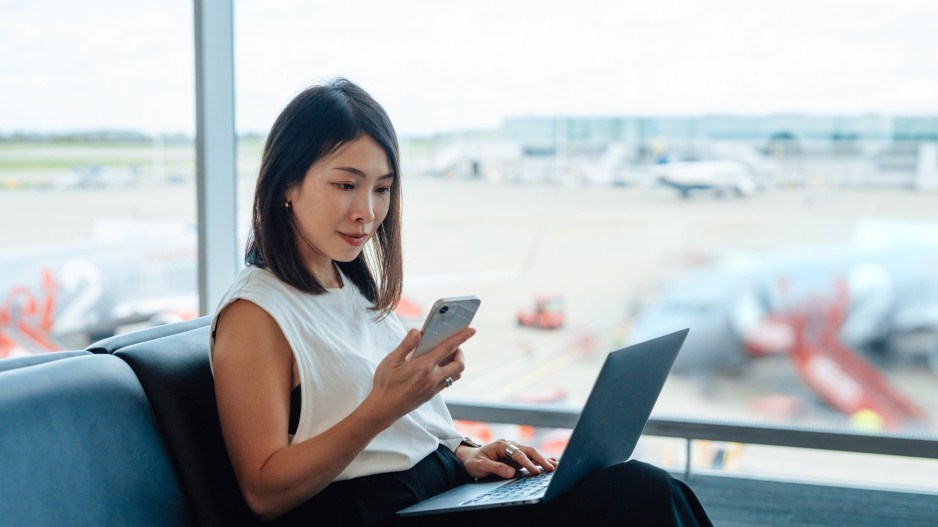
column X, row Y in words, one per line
column 97, row 181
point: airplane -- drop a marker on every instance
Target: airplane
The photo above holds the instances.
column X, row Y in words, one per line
column 719, row 177
column 765, row 169
column 840, row 315
column 721, row 168
column 62, row 296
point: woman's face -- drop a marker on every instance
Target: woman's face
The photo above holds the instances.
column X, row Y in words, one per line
column 340, row 203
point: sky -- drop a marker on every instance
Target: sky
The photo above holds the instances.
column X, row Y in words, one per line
column 442, row 65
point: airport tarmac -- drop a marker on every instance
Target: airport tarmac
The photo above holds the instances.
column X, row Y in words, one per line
column 601, row 248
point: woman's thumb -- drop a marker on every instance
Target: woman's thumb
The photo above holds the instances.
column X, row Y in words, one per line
column 500, row 469
column 411, row 339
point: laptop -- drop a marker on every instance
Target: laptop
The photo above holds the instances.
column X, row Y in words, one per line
column 606, row 433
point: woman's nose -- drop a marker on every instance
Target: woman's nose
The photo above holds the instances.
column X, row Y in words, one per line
column 364, row 211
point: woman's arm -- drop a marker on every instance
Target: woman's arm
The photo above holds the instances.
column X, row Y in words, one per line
column 252, row 362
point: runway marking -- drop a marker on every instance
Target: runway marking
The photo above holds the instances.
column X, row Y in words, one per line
column 530, row 377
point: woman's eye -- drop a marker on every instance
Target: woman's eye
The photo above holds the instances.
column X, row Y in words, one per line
column 383, row 190
column 345, row 186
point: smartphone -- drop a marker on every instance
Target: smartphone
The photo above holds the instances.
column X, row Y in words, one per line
column 447, row 317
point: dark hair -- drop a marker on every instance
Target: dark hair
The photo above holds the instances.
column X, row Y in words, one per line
column 315, row 124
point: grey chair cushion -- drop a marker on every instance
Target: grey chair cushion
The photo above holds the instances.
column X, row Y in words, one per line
column 79, row 445
column 112, row 344
column 177, row 378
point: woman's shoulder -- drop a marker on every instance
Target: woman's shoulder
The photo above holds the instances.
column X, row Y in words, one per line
column 257, row 278
column 252, row 273
column 255, row 284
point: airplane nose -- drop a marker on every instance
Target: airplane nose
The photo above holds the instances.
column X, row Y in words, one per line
column 707, row 348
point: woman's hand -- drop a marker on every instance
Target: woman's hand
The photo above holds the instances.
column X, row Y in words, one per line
column 403, row 382
column 504, row 458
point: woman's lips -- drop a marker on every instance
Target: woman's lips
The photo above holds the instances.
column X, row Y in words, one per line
column 355, row 240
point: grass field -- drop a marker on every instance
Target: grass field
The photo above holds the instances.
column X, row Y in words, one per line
column 43, row 164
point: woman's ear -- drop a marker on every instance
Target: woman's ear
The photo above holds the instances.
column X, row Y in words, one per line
column 290, row 195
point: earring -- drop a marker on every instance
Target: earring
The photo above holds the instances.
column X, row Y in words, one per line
column 286, row 205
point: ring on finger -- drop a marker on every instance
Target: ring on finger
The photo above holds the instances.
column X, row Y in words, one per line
column 510, row 450
column 449, row 381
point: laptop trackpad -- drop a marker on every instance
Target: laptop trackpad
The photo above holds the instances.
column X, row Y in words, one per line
column 453, row 497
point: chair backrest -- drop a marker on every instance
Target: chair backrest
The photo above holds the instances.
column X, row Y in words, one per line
column 175, row 373
column 23, row 361
column 112, row 344
column 79, row 445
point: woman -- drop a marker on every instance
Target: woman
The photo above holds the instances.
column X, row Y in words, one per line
column 326, row 416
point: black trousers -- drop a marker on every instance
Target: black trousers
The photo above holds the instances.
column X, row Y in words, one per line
column 631, row 493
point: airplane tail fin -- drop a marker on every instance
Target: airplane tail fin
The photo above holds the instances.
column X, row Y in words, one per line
column 24, row 340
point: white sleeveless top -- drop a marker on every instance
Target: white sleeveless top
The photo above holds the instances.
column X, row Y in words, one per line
column 338, row 344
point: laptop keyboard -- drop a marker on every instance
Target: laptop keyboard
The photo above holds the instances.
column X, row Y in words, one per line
column 518, row 490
